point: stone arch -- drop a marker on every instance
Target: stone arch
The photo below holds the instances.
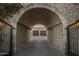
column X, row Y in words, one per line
column 17, row 16
column 46, row 6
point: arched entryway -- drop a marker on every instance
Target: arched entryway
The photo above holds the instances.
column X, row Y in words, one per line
column 49, row 19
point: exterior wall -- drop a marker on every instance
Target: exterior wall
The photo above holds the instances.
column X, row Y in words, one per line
column 22, row 36
column 62, row 10
column 52, row 7
column 68, row 13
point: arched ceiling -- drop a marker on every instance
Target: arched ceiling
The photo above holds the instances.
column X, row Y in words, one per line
column 38, row 16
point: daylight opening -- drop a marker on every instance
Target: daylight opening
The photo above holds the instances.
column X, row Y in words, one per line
column 39, row 32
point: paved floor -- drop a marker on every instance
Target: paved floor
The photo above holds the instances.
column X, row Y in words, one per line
column 38, row 48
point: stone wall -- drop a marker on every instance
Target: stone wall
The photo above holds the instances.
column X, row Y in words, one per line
column 56, row 37
column 22, row 36
column 68, row 13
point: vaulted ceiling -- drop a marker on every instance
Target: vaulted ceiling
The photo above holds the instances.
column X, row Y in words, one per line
column 38, row 16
